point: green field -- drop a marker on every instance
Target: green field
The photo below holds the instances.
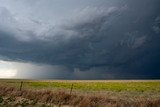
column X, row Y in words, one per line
column 122, row 92
column 138, row 86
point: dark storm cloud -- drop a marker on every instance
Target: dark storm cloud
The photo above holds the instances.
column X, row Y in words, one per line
column 118, row 41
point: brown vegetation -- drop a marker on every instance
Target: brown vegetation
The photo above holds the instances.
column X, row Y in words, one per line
column 62, row 98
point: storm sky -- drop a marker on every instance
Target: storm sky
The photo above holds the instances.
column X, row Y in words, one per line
column 80, row 39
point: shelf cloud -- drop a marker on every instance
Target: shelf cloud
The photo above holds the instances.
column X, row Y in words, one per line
column 105, row 39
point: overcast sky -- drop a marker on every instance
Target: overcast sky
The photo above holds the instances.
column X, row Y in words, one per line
column 80, row 39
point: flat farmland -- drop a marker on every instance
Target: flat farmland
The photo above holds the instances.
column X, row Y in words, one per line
column 81, row 93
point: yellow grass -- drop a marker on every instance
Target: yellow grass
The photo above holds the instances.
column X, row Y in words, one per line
column 96, row 93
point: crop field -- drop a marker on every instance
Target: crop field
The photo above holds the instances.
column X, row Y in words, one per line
column 83, row 93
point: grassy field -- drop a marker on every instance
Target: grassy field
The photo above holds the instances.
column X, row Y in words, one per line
column 118, row 93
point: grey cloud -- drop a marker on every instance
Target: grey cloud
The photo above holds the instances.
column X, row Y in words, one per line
column 57, row 45
column 100, row 40
column 156, row 26
column 133, row 40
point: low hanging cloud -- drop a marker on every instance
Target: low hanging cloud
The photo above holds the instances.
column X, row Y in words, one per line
column 117, row 40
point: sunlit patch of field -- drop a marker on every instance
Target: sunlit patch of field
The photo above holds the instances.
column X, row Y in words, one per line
column 95, row 85
column 139, row 93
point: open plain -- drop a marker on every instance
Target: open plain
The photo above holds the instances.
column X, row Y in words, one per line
column 80, row 93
